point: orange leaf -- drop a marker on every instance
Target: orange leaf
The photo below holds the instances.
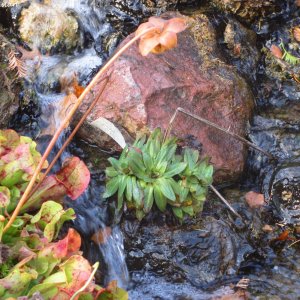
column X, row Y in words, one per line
column 296, row 32
column 276, row 51
column 78, row 89
column 101, row 235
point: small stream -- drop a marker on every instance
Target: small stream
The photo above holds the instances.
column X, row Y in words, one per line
column 159, row 258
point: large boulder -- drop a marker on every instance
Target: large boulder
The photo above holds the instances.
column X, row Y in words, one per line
column 144, row 92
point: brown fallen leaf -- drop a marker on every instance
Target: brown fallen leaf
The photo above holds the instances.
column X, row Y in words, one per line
column 255, row 200
column 296, row 33
column 101, row 235
column 276, row 51
column 283, row 236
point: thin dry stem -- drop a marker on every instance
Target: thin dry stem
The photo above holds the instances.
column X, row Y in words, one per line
column 225, row 201
column 69, row 139
column 64, row 123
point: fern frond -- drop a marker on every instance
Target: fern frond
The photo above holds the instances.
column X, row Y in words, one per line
column 288, row 57
column 10, row 3
column 17, row 64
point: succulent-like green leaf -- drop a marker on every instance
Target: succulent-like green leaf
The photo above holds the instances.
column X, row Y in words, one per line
column 147, row 161
column 136, row 193
column 166, row 188
column 174, row 169
column 111, row 172
column 160, row 199
column 111, row 187
column 129, row 188
column 177, row 212
column 148, row 199
column 122, row 186
column 188, row 210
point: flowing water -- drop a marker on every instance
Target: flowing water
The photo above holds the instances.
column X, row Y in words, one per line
column 160, row 259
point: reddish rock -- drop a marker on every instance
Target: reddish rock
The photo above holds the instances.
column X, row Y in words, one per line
column 144, row 92
column 255, row 200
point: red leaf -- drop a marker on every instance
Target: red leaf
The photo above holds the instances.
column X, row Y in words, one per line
column 70, row 244
column 75, row 177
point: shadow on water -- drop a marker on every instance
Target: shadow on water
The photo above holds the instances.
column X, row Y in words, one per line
column 203, row 258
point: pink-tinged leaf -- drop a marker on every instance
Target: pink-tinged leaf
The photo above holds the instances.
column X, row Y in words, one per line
column 19, row 163
column 75, row 177
column 50, row 189
column 4, row 196
column 25, row 252
column 9, row 138
column 17, row 281
column 77, row 271
column 70, row 244
column 255, row 200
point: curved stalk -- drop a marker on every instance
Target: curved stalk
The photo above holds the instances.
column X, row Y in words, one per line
column 67, row 142
column 65, row 123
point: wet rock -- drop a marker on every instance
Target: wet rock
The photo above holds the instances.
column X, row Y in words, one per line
column 9, row 85
column 198, row 254
column 246, row 9
column 144, row 92
column 241, row 45
column 285, row 193
column 53, row 68
column 48, row 28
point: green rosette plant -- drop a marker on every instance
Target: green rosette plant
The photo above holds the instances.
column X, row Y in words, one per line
column 151, row 172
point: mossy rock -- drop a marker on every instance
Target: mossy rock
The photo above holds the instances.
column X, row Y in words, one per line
column 48, row 28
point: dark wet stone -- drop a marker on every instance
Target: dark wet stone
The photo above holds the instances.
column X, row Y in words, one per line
column 285, row 191
column 199, row 254
column 241, row 47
